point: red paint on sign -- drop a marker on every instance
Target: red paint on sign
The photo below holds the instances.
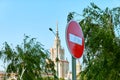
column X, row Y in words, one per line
column 75, row 39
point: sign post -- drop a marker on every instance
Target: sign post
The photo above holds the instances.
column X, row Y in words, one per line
column 75, row 43
column 73, row 68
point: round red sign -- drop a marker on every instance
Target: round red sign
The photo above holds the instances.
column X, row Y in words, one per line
column 75, row 39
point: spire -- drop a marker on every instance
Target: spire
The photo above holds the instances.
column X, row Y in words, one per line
column 57, row 39
column 57, row 33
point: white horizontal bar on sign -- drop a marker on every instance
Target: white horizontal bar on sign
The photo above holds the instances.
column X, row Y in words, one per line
column 75, row 39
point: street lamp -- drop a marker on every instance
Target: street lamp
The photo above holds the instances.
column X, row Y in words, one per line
column 56, row 47
column 52, row 31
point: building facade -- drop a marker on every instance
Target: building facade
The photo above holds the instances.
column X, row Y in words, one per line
column 58, row 52
column 2, row 75
column 78, row 67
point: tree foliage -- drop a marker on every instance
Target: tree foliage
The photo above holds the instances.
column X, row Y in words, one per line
column 102, row 43
column 70, row 16
column 30, row 61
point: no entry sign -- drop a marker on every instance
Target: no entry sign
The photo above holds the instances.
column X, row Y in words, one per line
column 75, row 39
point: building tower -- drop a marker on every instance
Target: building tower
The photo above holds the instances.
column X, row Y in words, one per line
column 63, row 65
column 78, row 67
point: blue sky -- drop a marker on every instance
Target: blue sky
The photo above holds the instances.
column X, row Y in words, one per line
column 34, row 17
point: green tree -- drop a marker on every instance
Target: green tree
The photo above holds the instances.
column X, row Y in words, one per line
column 102, row 43
column 28, row 60
column 70, row 16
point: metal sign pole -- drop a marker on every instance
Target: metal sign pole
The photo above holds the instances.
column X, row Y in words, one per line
column 73, row 68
